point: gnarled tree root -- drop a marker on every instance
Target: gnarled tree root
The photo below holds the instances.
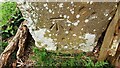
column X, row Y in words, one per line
column 18, row 41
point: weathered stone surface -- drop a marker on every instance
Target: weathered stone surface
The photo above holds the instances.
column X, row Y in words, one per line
column 68, row 26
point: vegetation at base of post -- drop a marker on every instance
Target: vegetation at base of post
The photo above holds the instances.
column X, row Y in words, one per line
column 44, row 58
column 3, row 45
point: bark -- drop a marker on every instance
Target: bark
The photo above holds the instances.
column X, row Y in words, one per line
column 18, row 40
column 115, row 60
column 108, row 39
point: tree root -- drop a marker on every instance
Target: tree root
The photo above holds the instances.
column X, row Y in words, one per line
column 18, row 41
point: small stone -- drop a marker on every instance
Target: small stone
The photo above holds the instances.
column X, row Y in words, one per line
column 74, row 35
column 82, row 29
column 77, row 16
column 55, row 43
column 65, row 47
column 109, row 18
column 53, row 12
column 61, row 5
column 115, row 5
column 106, row 15
column 68, row 17
column 48, row 31
column 71, row 2
column 91, row 2
column 94, row 30
column 50, row 11
column 66, row 32
column 70, row 43
column 69, row 25
column 87, row 2
column 65, row 16
column 56, row 34
column 45, row 5
column 50, row 35
column 60, row 15
column 90, row 8
column 53, row 22
column 86, row 20
column 72, row 12
column 68, row 7
column 75, row 24
column 46, row 8
column 80, row 37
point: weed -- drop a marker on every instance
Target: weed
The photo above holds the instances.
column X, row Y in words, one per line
column 3, row 45
column 10, row 20
column 44, row 58
column 7, row 10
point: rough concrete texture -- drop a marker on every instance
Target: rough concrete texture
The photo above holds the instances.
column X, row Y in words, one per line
column 68, row 26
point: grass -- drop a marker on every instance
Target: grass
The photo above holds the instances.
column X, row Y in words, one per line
column 10, row 19
column 2, row 46
column 7, row 10
column 44, row 58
